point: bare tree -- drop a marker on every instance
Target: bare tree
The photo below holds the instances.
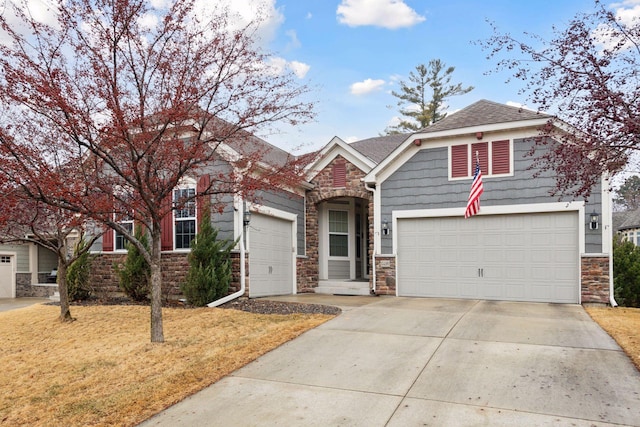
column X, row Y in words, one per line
column 136, row 98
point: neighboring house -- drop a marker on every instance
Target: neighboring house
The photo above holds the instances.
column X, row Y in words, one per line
column 628, row 225
column 22, row 267
column 386, row 216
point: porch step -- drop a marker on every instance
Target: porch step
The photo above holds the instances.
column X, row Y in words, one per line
column 343, row 288
column 55, row 297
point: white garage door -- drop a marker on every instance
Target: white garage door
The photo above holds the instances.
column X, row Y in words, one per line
column 7, row 276
column 270, row 256
column 523, row 257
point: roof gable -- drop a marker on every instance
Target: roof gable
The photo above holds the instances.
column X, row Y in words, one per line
column 482, row 116
column 334, row 148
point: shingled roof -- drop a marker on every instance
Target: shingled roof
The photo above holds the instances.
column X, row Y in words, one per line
column 481, row 113
column 379, row 147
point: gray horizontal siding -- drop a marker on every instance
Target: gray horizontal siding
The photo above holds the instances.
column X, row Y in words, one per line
column 422, row 183
column 288, row 202
column 22, row 256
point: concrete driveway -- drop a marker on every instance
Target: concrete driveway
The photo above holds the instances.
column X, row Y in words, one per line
column 389, row 361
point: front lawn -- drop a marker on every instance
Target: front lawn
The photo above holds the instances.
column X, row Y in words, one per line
column 623, row 324
column 102, row 369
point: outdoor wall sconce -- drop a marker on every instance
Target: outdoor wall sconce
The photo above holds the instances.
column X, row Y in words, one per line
column 246, row 217
column 593, row 220
column 385, row 227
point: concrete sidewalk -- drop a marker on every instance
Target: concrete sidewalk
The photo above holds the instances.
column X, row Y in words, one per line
column 391, row 361
column 7, row 304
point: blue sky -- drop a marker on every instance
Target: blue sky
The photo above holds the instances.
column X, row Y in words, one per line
column 373, row 43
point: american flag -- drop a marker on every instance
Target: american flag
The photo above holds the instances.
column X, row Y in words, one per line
column 473, row 204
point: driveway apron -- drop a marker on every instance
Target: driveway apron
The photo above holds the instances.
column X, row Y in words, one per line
column 429, row 362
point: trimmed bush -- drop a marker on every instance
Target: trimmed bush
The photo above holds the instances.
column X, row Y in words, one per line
column 209, row 273
column 135, row 273
column 626, row 273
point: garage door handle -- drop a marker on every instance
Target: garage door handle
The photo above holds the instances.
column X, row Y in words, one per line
column 270, row 269
column 481, row 272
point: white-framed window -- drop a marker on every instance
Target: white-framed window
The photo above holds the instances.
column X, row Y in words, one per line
column 338, row 233
column 5, row 259
column 119, row 241
column 184, row 215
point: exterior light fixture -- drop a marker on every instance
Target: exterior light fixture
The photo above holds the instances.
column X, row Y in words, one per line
column 593, row 220
column 246, row 217
column 385, row 227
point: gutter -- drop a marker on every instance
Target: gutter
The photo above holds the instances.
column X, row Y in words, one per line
column 373, row 256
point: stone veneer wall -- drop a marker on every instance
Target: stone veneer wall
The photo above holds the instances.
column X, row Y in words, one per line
column 385, row 275
column 104, row 279
column 308, row 265
column 24, row 288
column 595, row 279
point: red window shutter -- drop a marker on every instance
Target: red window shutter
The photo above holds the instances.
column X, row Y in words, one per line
column 500, row 157
column 107, row 241
column 202, row 201
column 339, row 174
column 166, row 226
column 459, row 161
column 482, row 148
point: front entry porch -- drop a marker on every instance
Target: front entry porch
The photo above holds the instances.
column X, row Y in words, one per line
column 343, row 225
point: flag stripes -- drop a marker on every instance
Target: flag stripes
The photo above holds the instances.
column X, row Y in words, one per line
column 473, row 203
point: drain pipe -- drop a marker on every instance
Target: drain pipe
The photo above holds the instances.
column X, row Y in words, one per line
column 373, row 267
column 239, row 293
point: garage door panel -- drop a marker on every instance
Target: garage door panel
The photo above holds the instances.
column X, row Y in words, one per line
column 523, row 257
column 270, row 256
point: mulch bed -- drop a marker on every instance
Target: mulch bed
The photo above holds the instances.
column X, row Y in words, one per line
column 261, row 306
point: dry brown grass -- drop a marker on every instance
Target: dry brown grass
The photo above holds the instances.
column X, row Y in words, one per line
column 623, row 324
column 102, row 369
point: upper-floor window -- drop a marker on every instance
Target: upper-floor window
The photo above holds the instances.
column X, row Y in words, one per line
column 184, row 215
column 495, row 159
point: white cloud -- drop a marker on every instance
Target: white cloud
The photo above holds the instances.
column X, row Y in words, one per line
column 300, row 69
column 627, row 13
column 243, row 12
column 391, row 14
column 351, row 139
column 366, row 86
column 43, row 11
column 278, row 66
column 294, row 43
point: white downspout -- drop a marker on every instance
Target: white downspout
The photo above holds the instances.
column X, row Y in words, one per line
column 607, row 233
column 373, row 256
column 239, row 293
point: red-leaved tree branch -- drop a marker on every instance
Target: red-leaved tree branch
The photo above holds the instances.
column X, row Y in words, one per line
column 588, row 75
column 134, row 99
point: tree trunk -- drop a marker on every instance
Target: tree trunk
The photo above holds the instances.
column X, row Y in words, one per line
column 157, row 333
column 65, row 313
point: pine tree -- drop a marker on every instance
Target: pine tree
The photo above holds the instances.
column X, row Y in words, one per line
column 135, row 273
column 413, row 96
column 209, row 273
